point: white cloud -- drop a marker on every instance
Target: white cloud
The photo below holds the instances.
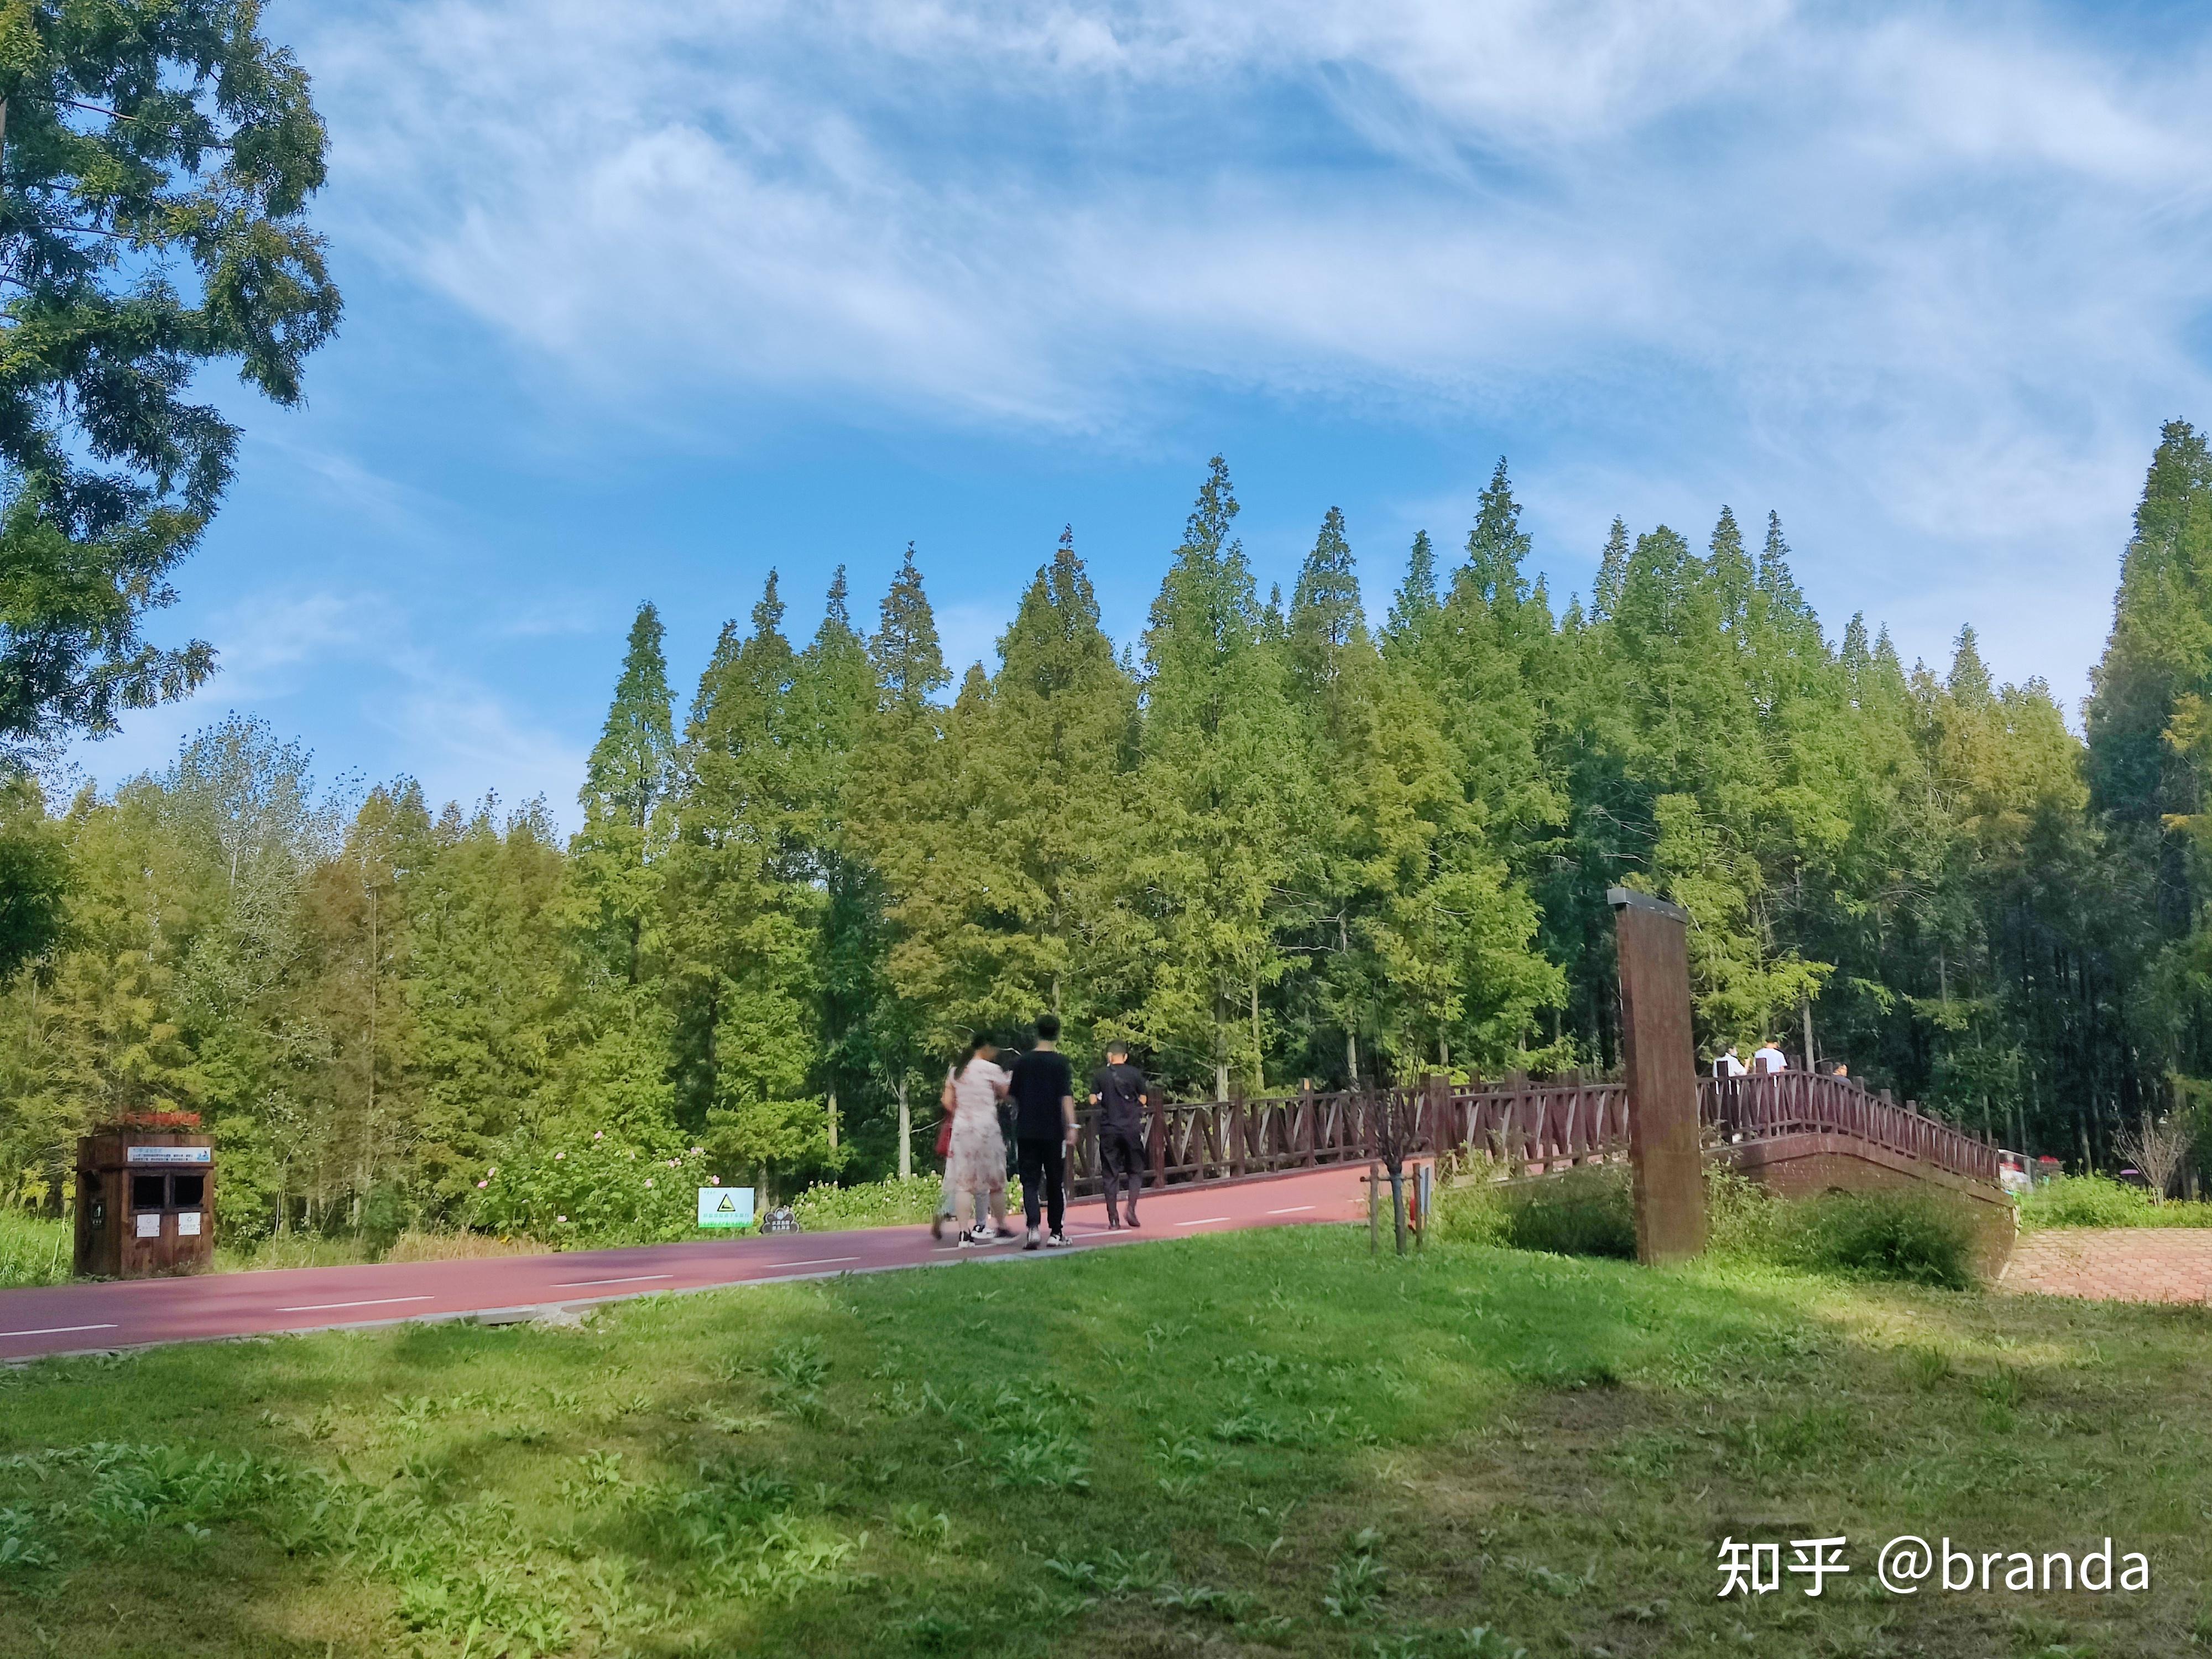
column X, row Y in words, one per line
column 1927, row 274
column 458, row 735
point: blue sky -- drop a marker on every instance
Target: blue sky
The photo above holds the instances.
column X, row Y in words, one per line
column 643, row 299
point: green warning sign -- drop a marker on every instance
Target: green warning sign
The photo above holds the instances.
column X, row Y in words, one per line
column 726, row 1207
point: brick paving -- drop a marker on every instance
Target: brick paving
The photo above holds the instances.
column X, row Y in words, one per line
column 2114, row 1264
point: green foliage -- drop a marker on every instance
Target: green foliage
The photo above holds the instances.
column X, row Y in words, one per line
column 1912, row 1237
column 34, row 1251
column 159, row 158
column 2102, row 1201
column 1267, row 846
column 888, row 1203
column 1916, row 1238
column 592, row 1189
column 1584, row 1212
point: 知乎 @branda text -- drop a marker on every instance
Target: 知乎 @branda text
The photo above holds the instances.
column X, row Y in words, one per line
column 1906, row 1565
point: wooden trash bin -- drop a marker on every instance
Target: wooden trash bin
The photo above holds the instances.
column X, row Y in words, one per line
column 145, row 1203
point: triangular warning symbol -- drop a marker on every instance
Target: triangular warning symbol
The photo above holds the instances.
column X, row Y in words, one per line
column 725, row 1204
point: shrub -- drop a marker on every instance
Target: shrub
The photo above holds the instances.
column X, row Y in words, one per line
column 2101, row 1202
column 1473, row 1210
column 1918, row 1238
column 829, row 1208
column 1585, row 1212
column 34, row 1250
column 586, row 1189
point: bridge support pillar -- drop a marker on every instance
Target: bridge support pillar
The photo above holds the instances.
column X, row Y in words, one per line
column 1652, row 941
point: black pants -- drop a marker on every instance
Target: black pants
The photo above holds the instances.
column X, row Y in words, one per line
column 1121, row 1157
column 1044, row 1177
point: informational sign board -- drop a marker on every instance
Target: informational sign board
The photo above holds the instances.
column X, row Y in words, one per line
column 188, row 1223
column 726, row 1207
column 169, row 1154
column 149, row 1226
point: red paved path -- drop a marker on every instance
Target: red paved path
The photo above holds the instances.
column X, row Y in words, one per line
column 90, row 1317
column 2114, row 1264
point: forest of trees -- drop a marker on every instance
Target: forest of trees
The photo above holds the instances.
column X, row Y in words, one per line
column 1267, row 842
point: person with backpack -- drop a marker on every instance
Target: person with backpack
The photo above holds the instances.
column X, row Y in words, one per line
column 1043, row 1091
column 1117, row 1090
column 975, row 1158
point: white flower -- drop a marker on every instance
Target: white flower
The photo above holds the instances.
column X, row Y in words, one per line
column 597, row 1134
column 648, row 1181
column 557, row 1157
column 560, row 1218
column 713, row 1180
column 481, row 1185
column 698, row 1151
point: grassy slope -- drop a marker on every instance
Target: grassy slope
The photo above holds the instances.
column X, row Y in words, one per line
column 1191, row 1446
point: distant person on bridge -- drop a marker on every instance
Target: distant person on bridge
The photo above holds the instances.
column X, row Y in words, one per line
column 1117, row 1090
column 1043, row 1089
column 1727, row 1065
column 1769, row 1059
column 976, row 1161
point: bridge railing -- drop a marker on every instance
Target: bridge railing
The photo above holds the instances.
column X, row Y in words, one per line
column 1532, row 1127
column 1778, row 1103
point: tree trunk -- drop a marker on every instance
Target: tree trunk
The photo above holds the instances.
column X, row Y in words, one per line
column 1398, row 1202
column 1259, row 1051
column 833, row 1119
column 906, row 1134
column 1805, row 1011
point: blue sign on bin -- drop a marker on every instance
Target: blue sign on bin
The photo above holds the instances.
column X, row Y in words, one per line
column 726, row 1207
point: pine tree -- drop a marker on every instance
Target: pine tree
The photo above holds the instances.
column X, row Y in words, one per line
column 1414, row 610
column 1611, row 573
column 1218, row 844
column 744, row 910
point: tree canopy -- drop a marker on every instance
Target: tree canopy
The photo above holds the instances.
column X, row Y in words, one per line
column 1271, row 843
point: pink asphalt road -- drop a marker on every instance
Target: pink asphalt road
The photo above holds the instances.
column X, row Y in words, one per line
column 98, row 1317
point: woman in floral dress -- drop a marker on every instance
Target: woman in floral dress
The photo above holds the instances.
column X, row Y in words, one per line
column 977, row 1161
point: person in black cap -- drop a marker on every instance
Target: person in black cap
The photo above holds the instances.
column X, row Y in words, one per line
column 1117, row 1090
column 1043, row 1093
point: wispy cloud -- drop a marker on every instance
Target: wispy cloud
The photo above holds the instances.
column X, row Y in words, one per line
column 1927, row 274
column 460, row 735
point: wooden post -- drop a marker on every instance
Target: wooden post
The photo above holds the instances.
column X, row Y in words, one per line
column 1375, row 1209
column 1236, row 1130
column 1652, row 943
column 1159, row 1138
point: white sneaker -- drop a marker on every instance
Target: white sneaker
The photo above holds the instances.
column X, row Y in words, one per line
column 976, row 1236
column 1029, row 1242
column 1055, row 1241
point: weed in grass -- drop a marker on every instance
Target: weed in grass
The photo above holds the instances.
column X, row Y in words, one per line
column 1202, row 1599
column 1355, row 1578
column 933, row 1631
column 918, row 1524
column 1924, row 1367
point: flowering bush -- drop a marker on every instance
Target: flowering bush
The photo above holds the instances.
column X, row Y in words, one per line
column 829, row 1208
column 596, row 1190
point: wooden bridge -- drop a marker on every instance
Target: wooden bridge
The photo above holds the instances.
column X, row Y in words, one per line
column 1798, row 1131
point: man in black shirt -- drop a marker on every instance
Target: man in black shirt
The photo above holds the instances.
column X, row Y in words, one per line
column 1042, row 1090
column 1117, row 1090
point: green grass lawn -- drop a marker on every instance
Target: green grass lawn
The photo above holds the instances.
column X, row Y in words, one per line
column 1263, row 1442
